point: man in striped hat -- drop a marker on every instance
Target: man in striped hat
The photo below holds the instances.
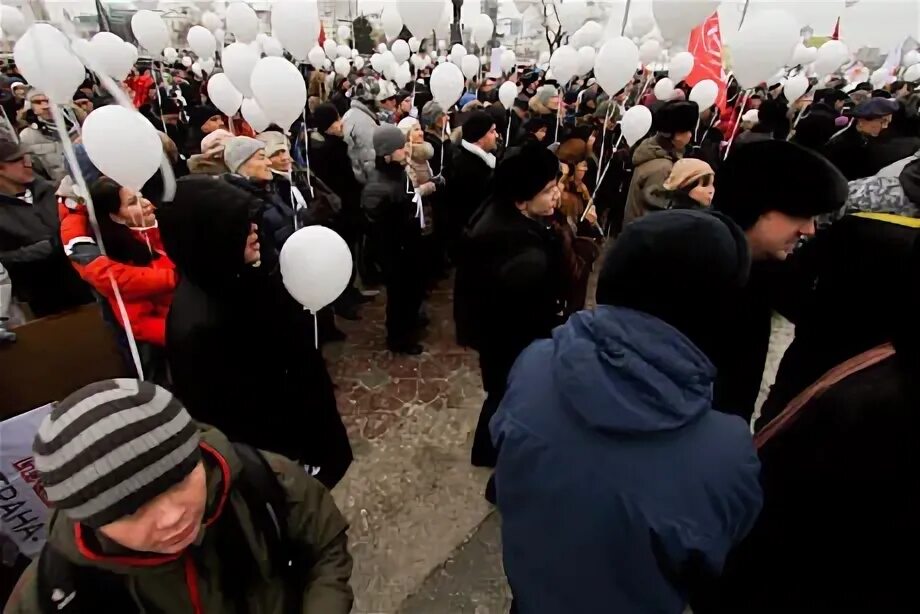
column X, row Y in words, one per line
column 157, row 513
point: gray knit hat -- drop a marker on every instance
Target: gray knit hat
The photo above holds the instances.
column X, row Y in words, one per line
column 431, row 112
column 239, row 149
column 111, row 447
column 387, row 139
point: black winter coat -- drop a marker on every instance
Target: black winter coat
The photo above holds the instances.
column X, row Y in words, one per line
column 469, row 183
column 393, row 229
column 241, row 352
column 31, row 250
column 330, row 162
column 816, row 126
column 849, row 152
column 510, row 286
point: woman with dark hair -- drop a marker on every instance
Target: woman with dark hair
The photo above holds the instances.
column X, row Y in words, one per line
column 128, row 229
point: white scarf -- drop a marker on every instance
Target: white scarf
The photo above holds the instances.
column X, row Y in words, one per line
column 479, row 152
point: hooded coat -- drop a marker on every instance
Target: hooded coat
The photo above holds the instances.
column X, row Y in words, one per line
column 196, row 580
column 838, row 525
column 240, row 351
column 652, row 163
column 614, row 469
column 358, row 128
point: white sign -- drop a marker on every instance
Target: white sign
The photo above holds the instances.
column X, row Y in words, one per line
column 23, row 506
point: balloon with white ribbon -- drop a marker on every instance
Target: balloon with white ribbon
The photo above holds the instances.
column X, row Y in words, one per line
column 482, row 29
column 400, row 50
column 391, row 21
column 150, row 31
column 910, row 58
column 457, row 53
column 254, row 115
column 170, row 55
column 636, row 123
column 223, row 95
column 12, row 22
column 831, row 56
column 446, row 84
column 912, row 73
column 242, row 22
column 507, row 92
column 414, row 44
column 296, row 24
column 238, row 61
column 664, row 89
column 649, row 51
column 615, row 64
column 43, row 58
column 112, row 130
column 187, row 61
column 331, row 48
column 704, row 93
column 207, row 65
column 676, row 20
column 764, row 44
column 315, row 266
column 341, row 67
column 564, row 63
column 280, row 90
column 421, row 16
column 795, row 87
column 344, row 32
column 470, row 66
column 508, row 60
column 681, row 65
column 316, row 56
column 112, row 55
column 343, row 51
column 271, row 46
column 202, row 42
column 211, row 21
column 359, row 62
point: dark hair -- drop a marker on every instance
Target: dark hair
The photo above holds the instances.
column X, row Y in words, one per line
column 120, row 243
column 703, row 180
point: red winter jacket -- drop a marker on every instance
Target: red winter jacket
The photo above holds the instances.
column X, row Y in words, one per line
column 147, row 291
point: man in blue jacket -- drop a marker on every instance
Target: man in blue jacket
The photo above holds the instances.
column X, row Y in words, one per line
column 620, row 488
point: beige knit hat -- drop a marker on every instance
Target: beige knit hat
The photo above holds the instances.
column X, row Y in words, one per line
column 685, row 172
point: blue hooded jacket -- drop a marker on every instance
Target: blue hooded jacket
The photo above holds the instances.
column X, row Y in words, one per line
column 620, row 489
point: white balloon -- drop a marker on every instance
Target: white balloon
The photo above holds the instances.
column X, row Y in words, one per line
column 354, row 53
column 359, row 62
column 315, row 266
column 585, row 60
column 238, row 60
column 280, row 90
column 223, row 95
column 456, row 53
column 196, row 69
column 591, row 33
column 641, row 24
column 343, row 51
column 831, row 56
column 795, row 87
column 649, row 51
column 509, row 59
column 421, row 16
column 482, row 29
column 242, row 22
column 382, row 48
column 296, row 24
column 446, row 84
column 800, row 55
column 112, row 130
column 316, row 56
column 572, row 14
column 615, row 64
column 211, row 21
column 507, row 93
column 636, row 123
column 327, row 64
column 442, row 45
column 543, row 59
column 150, row 31
column 341, row 66
column 564, row 63
column 12, row 21
column 273, row 47
column 400, row 49
column 675, row 22
column 220, row 36
column 207, row 65
column 704, row 93
column 111, row 54
column 391, row 21
column 377, row 62
column 389, row 70
column 911, row 57
column 170, row 54
column 912, row 73
column 681, row 66
column 414, row 44
column 763, row 45
column 202, row 42
column 131, row 52
column 470, row 66
column 389, row 58
column 254, row 115
column 403, row 74
column 664, row 89
column 331, row 48
column 187, row 61
column 880, row 78
column 344, row 32
column 42, row 57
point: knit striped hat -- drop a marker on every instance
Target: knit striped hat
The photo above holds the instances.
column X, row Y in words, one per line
column 109, row 448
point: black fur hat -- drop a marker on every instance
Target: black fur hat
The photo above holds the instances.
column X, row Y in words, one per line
column 522, row 175
column 773, row 175
column 677, row 116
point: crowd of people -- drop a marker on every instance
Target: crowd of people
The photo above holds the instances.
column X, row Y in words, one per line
column 625, row 470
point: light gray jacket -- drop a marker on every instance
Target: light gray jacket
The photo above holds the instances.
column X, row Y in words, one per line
column 359, row 124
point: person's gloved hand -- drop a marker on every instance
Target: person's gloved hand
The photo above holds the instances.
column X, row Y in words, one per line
column 438, row 181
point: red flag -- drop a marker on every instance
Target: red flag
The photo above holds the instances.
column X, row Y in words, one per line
column 322, row 36
column 836, row 35
column 706, row 46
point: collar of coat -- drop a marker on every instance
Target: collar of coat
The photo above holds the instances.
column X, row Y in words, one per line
column 479, row 152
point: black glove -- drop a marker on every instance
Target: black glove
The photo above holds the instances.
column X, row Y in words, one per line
column 438, row 181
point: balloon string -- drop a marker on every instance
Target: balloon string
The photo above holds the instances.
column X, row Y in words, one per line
column 306, row 155
column 159, row 99
column 603, row 140
column 558, row 115
column 129, row 333
column 315, row 329
column 508, row 137
column 728, row 147
column 604, row 174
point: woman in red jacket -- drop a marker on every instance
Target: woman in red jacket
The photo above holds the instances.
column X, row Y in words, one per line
column 128, row 225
